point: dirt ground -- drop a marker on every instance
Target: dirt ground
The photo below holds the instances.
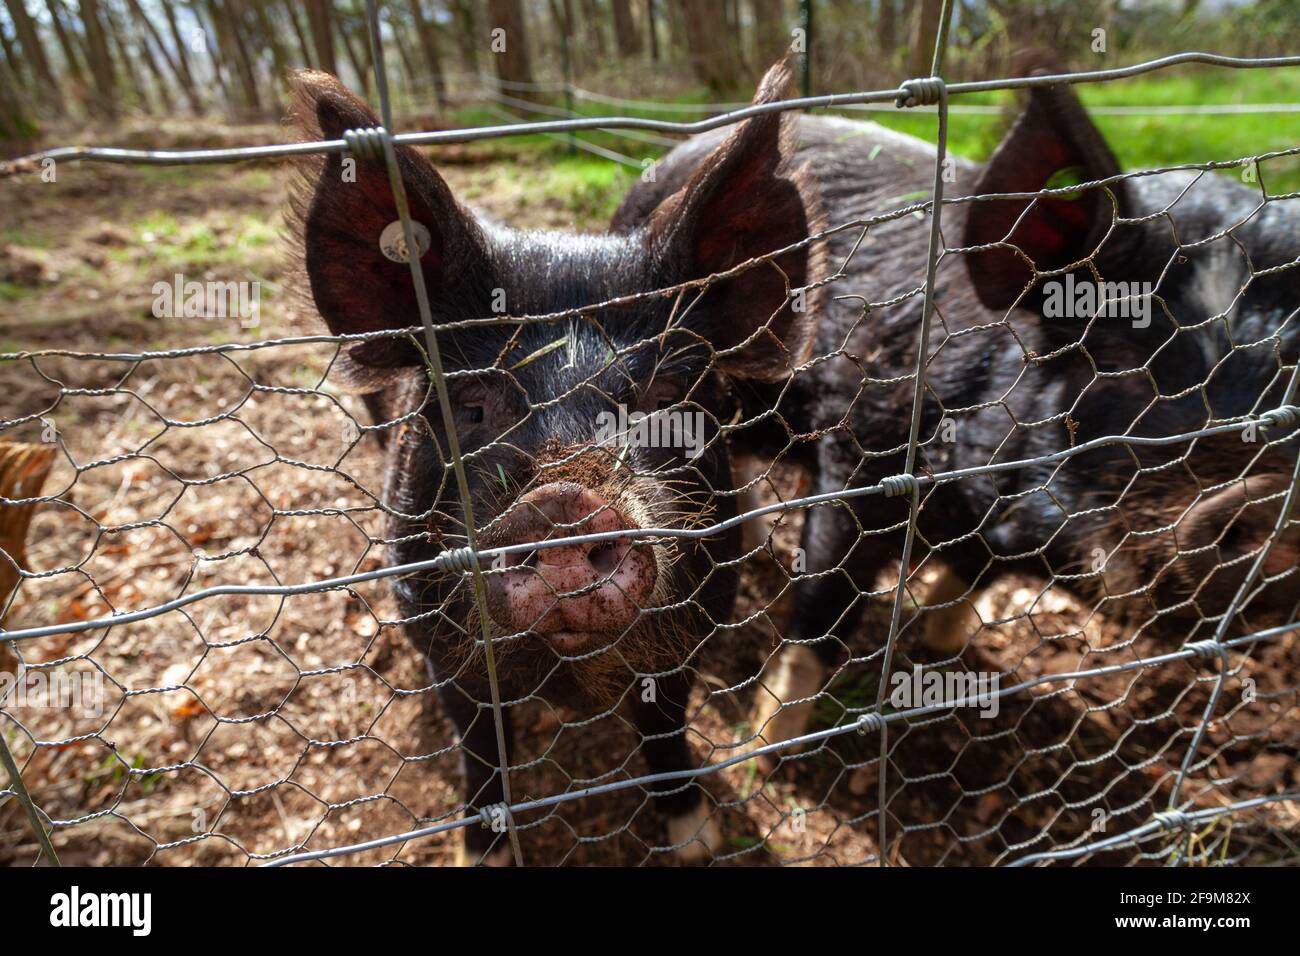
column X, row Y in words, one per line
column 239, row 729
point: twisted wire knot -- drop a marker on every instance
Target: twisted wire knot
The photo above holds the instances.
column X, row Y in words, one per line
column 922, row 91
column 487, row 815
column 461, row 560
column 1204, row 650
column 869, row 723
column 367, row 142
column 1284, row 416
column 1172, row 819
column 896, row 485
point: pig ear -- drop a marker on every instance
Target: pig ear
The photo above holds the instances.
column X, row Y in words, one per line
column 1052, row 143
column 744, row 200
column 344, row 207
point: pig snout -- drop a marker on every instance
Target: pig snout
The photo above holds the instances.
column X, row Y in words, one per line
column 571, row 594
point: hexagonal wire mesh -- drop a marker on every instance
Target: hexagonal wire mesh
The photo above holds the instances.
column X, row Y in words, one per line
column 1133, row 702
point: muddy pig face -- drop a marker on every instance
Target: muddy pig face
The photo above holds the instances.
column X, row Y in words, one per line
column 1199, row 276
column 599, row 422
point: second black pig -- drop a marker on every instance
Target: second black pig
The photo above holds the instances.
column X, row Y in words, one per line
column 1202, row 327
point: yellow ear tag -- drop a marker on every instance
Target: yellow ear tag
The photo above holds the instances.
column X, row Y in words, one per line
column 392, row 243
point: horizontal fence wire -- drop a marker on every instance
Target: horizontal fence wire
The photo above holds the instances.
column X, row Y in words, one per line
column 572, row 125
column 476, row 564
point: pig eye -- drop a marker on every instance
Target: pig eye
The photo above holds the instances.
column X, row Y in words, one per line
column 663, row 393
column 473, row 414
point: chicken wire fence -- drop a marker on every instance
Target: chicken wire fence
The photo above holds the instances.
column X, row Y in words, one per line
column 281, row 723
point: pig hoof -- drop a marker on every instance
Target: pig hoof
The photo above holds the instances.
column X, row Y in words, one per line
column 783, row 704
column 499, row 855
column 695, row 835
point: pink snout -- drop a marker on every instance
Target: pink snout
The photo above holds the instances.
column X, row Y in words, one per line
column 571, row 594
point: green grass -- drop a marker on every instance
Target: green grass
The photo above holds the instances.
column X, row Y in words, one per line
column 12, row 292
column 1149, row 142
column 163, row 239
column 1139, row 142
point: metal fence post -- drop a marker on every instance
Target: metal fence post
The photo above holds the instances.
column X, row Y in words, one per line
column 25, row 798
column 915, row 92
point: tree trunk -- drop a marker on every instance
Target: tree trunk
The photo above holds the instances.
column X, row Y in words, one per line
column 921, row 55
column 512, row 63
column 216, row 58
column 34, row 52
column 183, row 79
column 887, row 28
column 651, row 31
column 429, row 47
column 234, row 23
column 117, row 40
column 182, row 55
column 467, row 24
column 70, row 51
column 771, row 36
column 710, row 46
column 270, row 34
column 360, row 61
column 625, row 33
column 595, row 30
column 322, row 35
column 291, row 8
column 15, row 115
column 409, row 71
column 163, row 87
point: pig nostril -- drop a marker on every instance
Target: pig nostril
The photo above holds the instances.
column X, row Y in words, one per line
column 604, row 557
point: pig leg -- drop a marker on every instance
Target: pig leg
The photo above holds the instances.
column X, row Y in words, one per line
column 745, row 469
column 478, row 844
column 947, row 628
column 683, row 803
column 828, row 608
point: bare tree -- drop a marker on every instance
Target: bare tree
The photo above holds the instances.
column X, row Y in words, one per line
column 270, row 35
column 625, row 32
column 429, row 47
column 650, row 29
column 510, row 47
column 15, row 113
column 713, row 54
column 770, row 36
column 467, row 23
column 118, row 40
column 71, row 55
column 34, row 52
column 359, row 57
column 887, row 25
column 182, row 61
column 322, row 35
column 926, row 28
column 101, row 61
column 232, row 52
column 183, row 78
column 291, row 8
column 162, row 87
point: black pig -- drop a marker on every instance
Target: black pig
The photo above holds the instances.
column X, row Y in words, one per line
column 579, row 622
column 1163, row 536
